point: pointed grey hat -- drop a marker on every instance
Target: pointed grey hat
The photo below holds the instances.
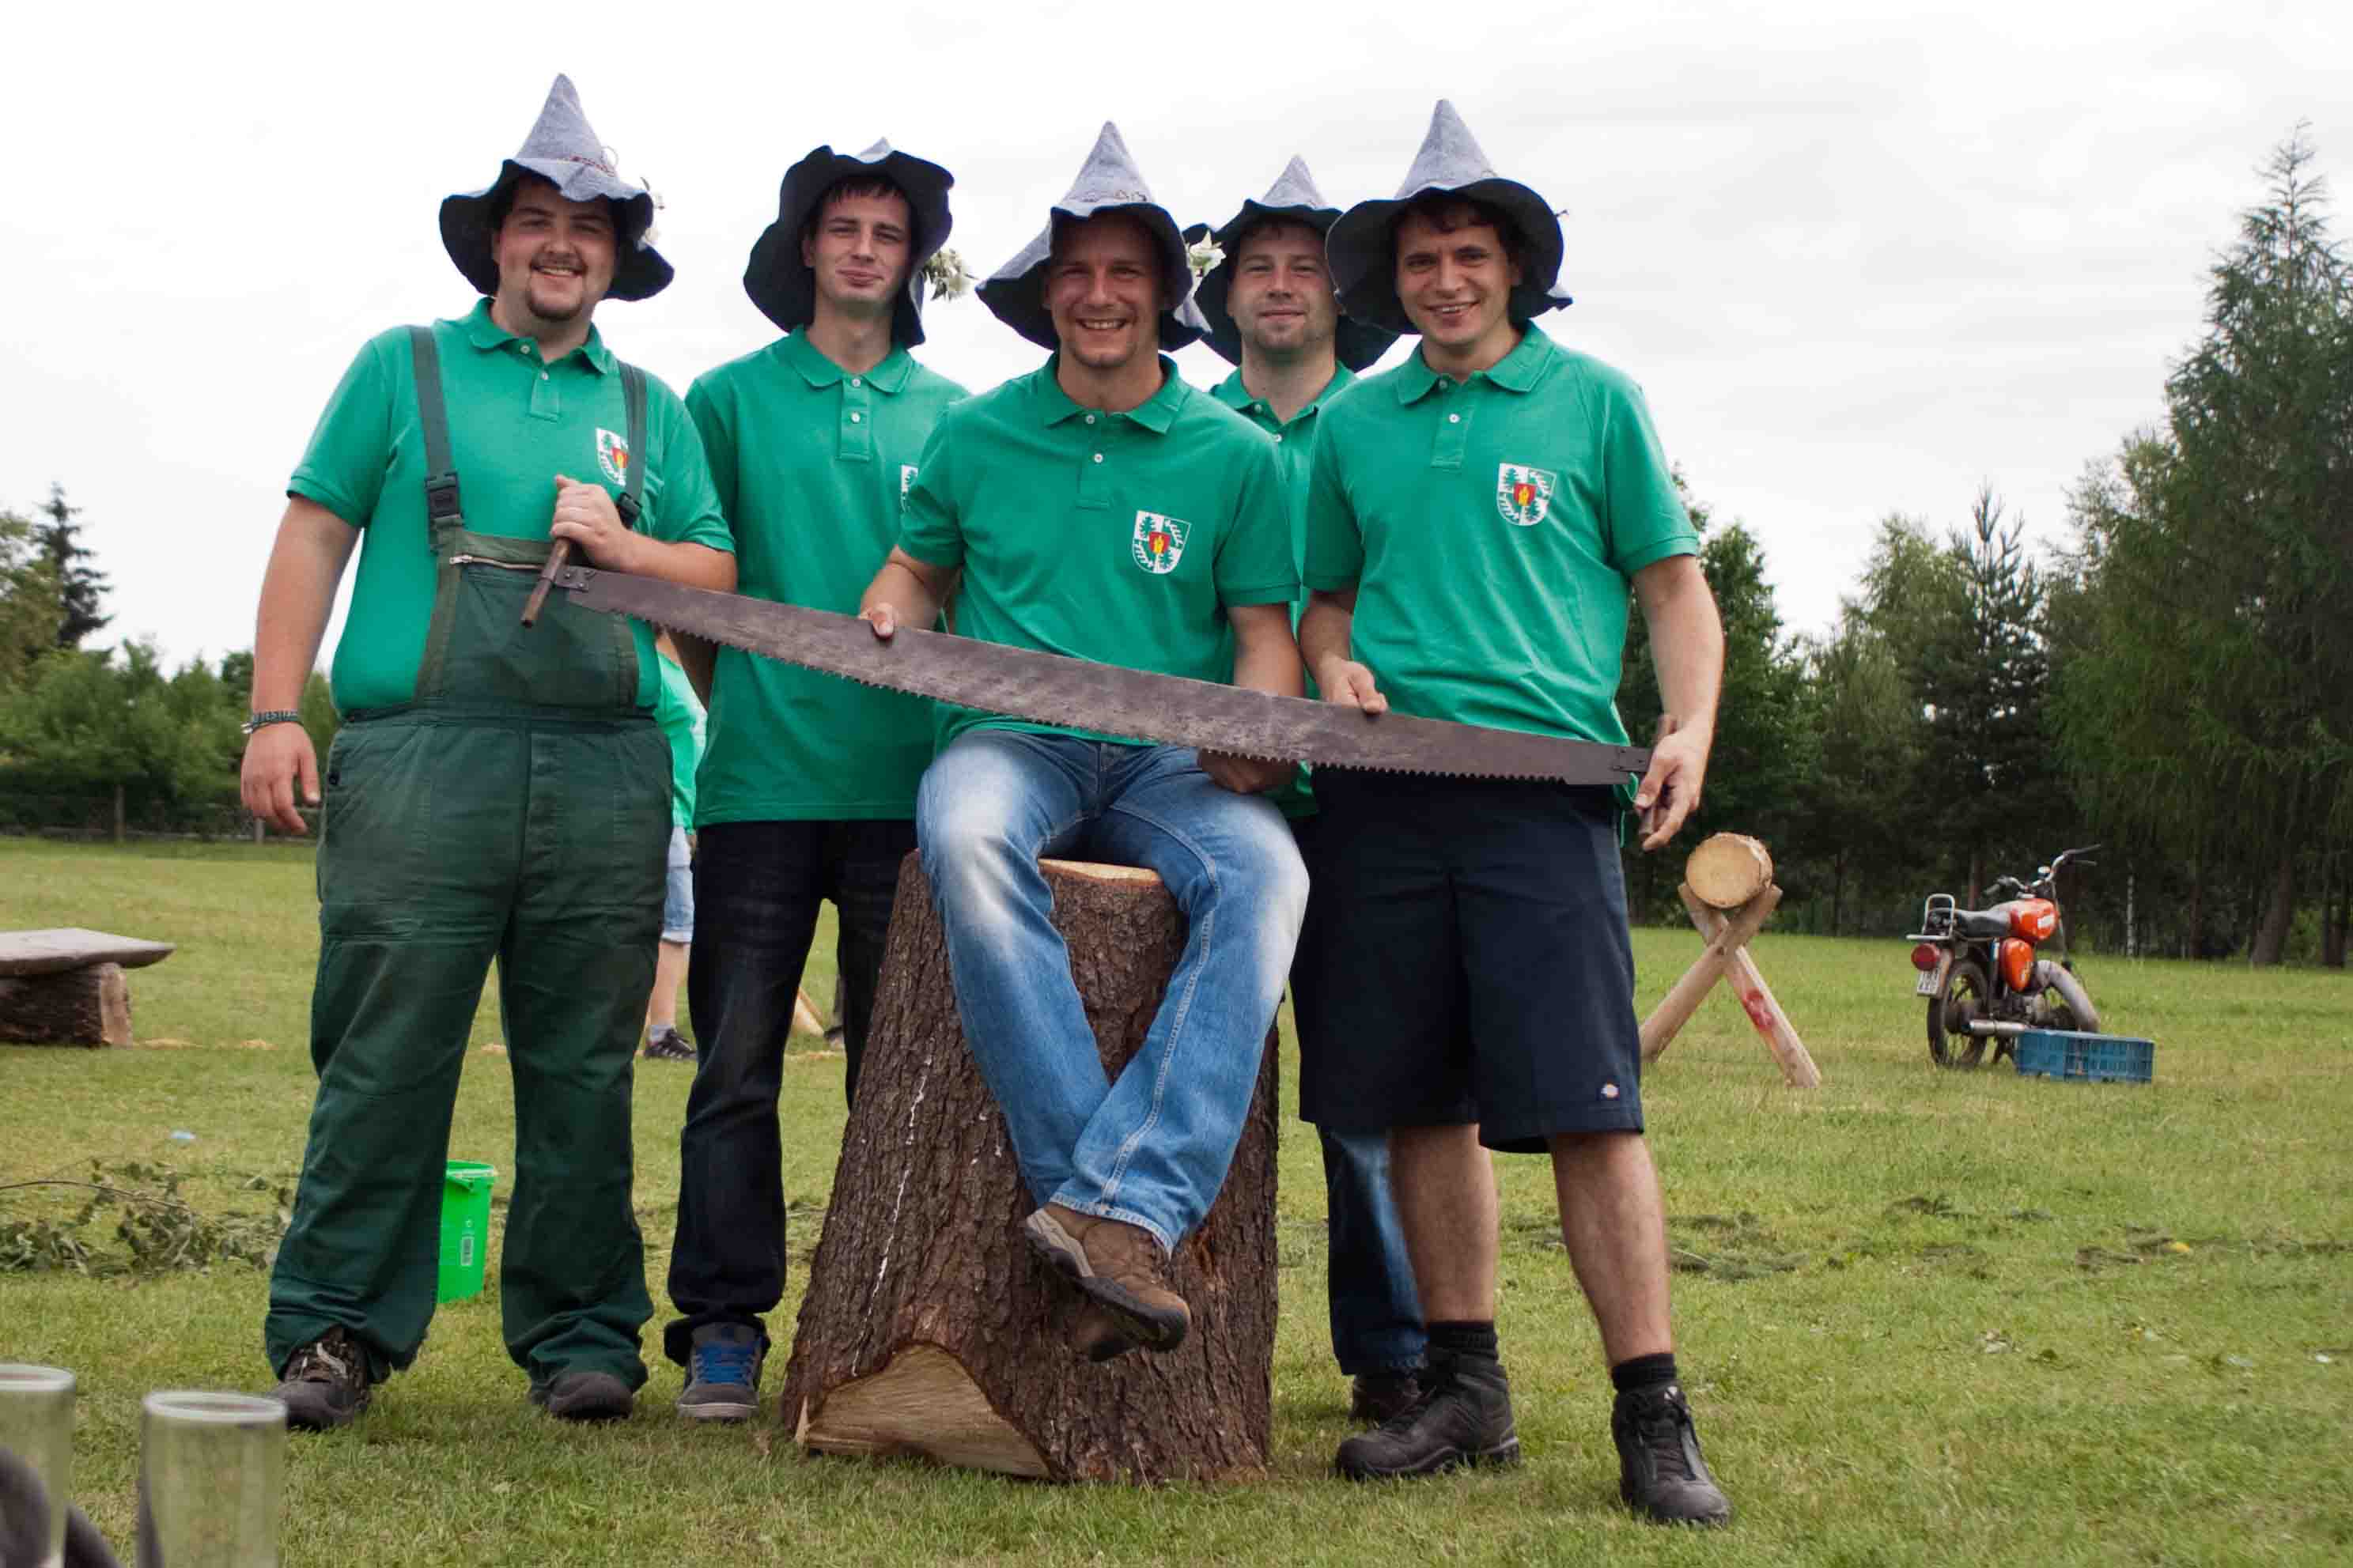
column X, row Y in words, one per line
column 1292, row 198
column 781, row 285
column 1110, row 183
column 563, row 150
column 1362, row 247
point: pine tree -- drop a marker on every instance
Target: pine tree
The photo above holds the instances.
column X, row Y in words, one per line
column 80, row 585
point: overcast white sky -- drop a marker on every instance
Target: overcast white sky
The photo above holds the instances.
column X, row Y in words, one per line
column 1861, row 256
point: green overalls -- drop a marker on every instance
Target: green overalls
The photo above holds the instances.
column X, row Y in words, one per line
column 517, row 808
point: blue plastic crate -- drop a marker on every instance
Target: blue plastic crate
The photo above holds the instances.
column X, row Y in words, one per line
column 2093, row 1059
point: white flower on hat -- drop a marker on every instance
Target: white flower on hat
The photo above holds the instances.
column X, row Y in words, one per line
column 1204, row 257
column 946, row 274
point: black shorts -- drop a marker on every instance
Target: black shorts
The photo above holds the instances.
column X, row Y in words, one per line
column 1465, row 958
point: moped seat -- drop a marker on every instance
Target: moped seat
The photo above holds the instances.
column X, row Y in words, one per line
column 1981, row 923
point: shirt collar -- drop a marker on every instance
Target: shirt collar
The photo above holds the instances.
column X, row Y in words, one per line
column 1156, row 413
column 486, row 334
column 1528, row 363
column 1236, row 396
column 806, row 357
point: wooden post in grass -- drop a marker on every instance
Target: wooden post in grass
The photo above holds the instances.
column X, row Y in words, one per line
column 1728, row 891
column 929, row 1327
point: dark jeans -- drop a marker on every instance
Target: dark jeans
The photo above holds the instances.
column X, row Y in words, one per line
column 1376, row 1312
column 757, row 886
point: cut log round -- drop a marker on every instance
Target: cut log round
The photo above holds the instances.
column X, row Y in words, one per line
column 62, row 948
column 1729, row 869
column 86, row 1006
column 928, row 1328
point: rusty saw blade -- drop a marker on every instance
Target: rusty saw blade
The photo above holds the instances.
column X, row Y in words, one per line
column 1079, row 694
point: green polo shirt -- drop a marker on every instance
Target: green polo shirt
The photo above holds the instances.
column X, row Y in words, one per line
column 812, row 466
column 1295, row 449
column 679, row 712
column 514, row 425
column 1491, row 528
column 1118, row 537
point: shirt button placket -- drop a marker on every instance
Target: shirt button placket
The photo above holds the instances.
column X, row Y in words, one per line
column 1094, row 475
column 1453, row 427
column 857, row 441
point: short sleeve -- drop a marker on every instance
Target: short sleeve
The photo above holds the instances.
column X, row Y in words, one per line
column 1254, row 563
column 704, row 408
column 350, row 452
column 1336, row 545
column 687, row 512
column 1645, row 520
column 931, row 524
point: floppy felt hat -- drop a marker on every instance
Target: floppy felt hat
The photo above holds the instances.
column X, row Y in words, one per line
column 1292, row 198
column 781, row 283
column 1109, row 183
column 563, row 150
column 1360, row 246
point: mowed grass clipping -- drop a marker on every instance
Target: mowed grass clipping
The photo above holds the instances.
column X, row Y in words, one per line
column 1925, row 1317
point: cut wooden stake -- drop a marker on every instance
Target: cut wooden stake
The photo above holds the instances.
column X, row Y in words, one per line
column 1756, row 998
column 804, row 1017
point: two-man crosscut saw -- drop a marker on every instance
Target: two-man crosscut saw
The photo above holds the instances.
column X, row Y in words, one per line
column 1078, row 694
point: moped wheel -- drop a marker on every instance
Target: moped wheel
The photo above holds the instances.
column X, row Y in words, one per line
column 2065, row 1004
column 1962, row 998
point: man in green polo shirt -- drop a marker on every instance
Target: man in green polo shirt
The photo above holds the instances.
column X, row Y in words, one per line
column 807, row 792
column 1272, row 311
column 1476, row 518
column 495, row 791
column 1101, row 508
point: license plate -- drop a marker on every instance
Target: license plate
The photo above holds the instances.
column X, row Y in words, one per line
column 1927, row 987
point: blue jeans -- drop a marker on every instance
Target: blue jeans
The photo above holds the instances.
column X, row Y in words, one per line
column 1151, row 1150
column 1376, row 1312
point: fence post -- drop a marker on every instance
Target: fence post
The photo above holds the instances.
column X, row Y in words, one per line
column 118, row 812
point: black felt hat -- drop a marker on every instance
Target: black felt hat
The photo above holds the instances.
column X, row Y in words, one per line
column 781, row 285
column 1292, row 198
column 563, row 150
column 1360, row 246
column 1110, row 181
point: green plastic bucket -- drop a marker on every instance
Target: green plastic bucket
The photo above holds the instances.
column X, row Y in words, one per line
column 465, row 1229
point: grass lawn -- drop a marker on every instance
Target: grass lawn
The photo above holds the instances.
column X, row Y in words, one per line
column 1925, row 1317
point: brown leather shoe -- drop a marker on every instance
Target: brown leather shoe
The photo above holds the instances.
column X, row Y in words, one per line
column 1119, row 1267
column 1096, row 1334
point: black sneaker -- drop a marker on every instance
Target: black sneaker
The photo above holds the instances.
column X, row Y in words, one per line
column 668, row 1046
column 1377, row 1396
column 1660, row 1472
column 586, row 1397
column 325, row 1383
column 1462, row 1417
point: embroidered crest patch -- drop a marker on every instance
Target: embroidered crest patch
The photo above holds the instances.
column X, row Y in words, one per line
column 613, row 457
column 1159, row 542
column 1524, row 495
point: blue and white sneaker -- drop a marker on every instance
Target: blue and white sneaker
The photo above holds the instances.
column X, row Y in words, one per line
column 723, row 1373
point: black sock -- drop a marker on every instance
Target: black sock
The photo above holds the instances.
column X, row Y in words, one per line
column 1476, row 1341
column 1643, row 1372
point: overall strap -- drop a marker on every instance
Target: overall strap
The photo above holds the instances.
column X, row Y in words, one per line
column 442, row 515
column 633, row 396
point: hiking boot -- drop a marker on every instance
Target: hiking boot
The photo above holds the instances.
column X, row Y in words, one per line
column 325, row 1382
column 723, row 1373
column 1463, row 1416
column 1119, row 1267
column 586, row 1397
column 1660, row 1472
column 1096, row 1334
column 1379, row 1397
column 667, row 1044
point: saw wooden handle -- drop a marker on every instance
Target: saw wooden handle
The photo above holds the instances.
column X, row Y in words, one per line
column 557, row 553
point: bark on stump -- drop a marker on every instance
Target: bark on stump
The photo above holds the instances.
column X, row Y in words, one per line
column 928, row 1327
column 85, row 1006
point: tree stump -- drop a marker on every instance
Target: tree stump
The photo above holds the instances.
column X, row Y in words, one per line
column 85, row 1006
column 928, row 1327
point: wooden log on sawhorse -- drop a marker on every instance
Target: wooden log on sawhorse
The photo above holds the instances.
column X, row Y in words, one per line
column 1729, row 893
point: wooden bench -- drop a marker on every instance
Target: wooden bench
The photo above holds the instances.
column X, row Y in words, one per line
column 929, row 1328
column 63, row 987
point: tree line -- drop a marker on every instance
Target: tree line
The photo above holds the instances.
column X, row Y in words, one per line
column 2174, row 681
